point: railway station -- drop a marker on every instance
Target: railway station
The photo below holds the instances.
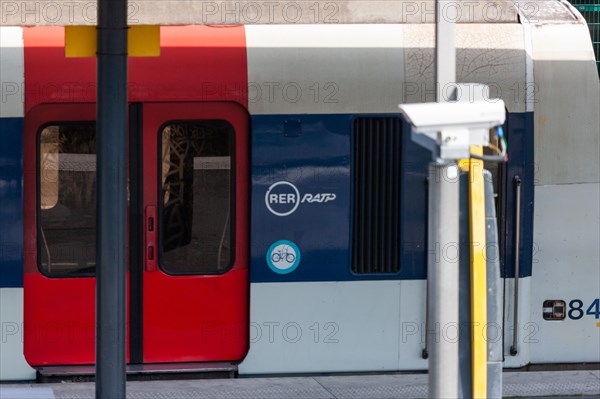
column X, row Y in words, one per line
column 291, row 199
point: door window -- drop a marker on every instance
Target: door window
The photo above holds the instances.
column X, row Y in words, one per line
column 196, row 197
column 67, row 200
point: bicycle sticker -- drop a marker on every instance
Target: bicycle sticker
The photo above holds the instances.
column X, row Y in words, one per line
column 283, row 256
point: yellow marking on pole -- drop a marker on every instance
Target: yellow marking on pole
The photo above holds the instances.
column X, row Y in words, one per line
column 478, row 275
column 598, row 324
column 142, row 41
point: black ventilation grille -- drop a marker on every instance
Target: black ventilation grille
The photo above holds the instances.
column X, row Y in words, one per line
column 376, row 172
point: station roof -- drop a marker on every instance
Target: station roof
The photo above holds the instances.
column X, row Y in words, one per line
column 247, row 12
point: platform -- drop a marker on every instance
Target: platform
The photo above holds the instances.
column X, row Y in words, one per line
column 565, row 384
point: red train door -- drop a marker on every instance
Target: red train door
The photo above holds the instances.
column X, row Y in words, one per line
column 60, row 234
column 195, row 200
column 188, row 246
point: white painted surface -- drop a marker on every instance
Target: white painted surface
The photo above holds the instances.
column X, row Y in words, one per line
column 529, row 77
column 491, row 54
column 362, row 334
column 412, row 325
column 566, row 267
column 12, row 362
column 335, row 68
column 373, row 68
column 11, row 72
column 381, row 326
column 567, row 116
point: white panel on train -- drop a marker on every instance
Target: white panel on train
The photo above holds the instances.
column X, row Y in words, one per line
column 324, row 327
column 412, row 325
column 12, row 362
column 567, row 116
column 325, row 69
column 565, row 267
column 12, row 75
column 320, row 69
column 491, row 54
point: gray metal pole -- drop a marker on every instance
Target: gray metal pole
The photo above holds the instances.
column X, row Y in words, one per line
column 445, row 53
column 493, row 332
column 111, row 138
column 443, row 283
column 443, row 264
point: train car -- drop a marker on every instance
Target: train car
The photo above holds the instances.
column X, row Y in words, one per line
column 277, row 211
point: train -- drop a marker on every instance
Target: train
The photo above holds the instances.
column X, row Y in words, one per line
column 277, row 213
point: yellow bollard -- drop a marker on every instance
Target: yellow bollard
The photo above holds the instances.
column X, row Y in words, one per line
column 478, row 275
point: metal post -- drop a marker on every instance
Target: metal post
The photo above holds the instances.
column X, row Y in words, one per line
column 445, row 53
column 494, row 296
column 514, row 348
column 443, row 275
column 111, row 215
column 443, row 231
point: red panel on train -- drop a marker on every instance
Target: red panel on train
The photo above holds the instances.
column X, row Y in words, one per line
column 197, row 63
column 194, row 94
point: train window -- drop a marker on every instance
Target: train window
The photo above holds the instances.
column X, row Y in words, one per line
column 67, row 199
column 376, row 213
column 197, row 197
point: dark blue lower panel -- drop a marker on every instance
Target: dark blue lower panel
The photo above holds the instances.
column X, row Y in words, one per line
column 11, row 202
column 312, row 155
column 520, row 164
column 309, row 157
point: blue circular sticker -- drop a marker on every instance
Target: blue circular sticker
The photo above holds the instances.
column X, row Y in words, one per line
column 283, row 256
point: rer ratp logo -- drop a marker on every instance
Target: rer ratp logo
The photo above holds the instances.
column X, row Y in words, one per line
column 283, row 198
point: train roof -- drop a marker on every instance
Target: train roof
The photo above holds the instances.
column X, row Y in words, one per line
column 248, row 12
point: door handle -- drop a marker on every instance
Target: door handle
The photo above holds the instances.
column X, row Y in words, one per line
column 150, row 252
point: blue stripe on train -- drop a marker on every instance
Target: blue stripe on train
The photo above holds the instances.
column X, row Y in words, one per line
column 313, row 152
column 11, row 202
